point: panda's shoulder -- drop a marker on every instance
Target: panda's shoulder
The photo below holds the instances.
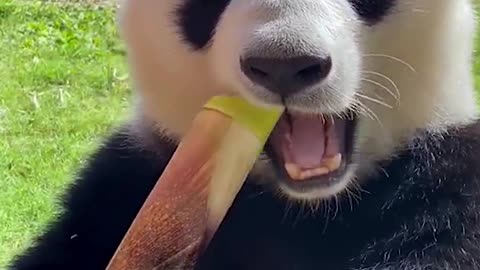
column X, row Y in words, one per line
column 121, row 164
column 99, row 205
column 436, row 180
column 435, row 166
column 428, row 201
column 452, row 154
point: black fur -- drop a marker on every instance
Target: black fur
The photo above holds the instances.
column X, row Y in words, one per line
column 99, row 207
column 420, row 213
column 198, row 19
column 373, row 11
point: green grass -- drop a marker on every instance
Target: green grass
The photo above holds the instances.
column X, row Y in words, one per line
column 63, row 85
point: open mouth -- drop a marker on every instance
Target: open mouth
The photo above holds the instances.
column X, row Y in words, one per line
column 311, row 150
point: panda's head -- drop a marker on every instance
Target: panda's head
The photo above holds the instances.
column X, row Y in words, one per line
column 357, row 77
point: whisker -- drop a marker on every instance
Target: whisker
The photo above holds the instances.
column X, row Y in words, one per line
column 337, row 207
column 374, row 100
column 339, row 115
column 373, row 115
column 388, row 79
column 392, row 58
column 286, row 213
column 359, row 188
column 352, row 196
column 383, row 87
column 358, row 109
column 346, row 114
column 355, row 194
column 253, row 196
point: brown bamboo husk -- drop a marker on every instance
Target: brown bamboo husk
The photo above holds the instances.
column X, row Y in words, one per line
column 168, row 230
column 191, row 198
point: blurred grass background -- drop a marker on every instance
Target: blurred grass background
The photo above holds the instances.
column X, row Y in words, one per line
column 63, row 85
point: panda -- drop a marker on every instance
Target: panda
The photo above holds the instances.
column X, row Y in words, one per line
column 374, row 165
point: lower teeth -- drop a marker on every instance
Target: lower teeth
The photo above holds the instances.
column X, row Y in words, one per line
column 328, row 165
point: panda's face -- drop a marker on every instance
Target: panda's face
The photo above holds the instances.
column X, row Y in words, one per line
column 307, row 55
column 302, row 54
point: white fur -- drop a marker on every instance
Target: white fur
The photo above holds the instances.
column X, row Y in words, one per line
column 423, row 49
column 269, row 28
column 434, row 38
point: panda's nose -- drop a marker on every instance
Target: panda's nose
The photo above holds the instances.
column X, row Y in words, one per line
column 286, row 76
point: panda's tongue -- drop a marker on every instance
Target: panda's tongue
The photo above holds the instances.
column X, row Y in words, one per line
column 308, row 146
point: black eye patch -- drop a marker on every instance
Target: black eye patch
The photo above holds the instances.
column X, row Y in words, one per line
column 198, row 19
column 372, row 11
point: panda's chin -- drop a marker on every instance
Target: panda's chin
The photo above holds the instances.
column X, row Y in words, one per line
column 312, row 154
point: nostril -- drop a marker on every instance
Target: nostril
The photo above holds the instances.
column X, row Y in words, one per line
column 314, row 72
column 310, row 73
column 258, row 72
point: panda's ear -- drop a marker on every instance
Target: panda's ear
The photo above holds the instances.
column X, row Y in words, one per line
column 372, row 11
column 198, row 19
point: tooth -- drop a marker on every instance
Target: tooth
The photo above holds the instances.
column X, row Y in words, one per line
column 332, row 163
column 328, row 165
column 293, row 171
column 314, row 172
